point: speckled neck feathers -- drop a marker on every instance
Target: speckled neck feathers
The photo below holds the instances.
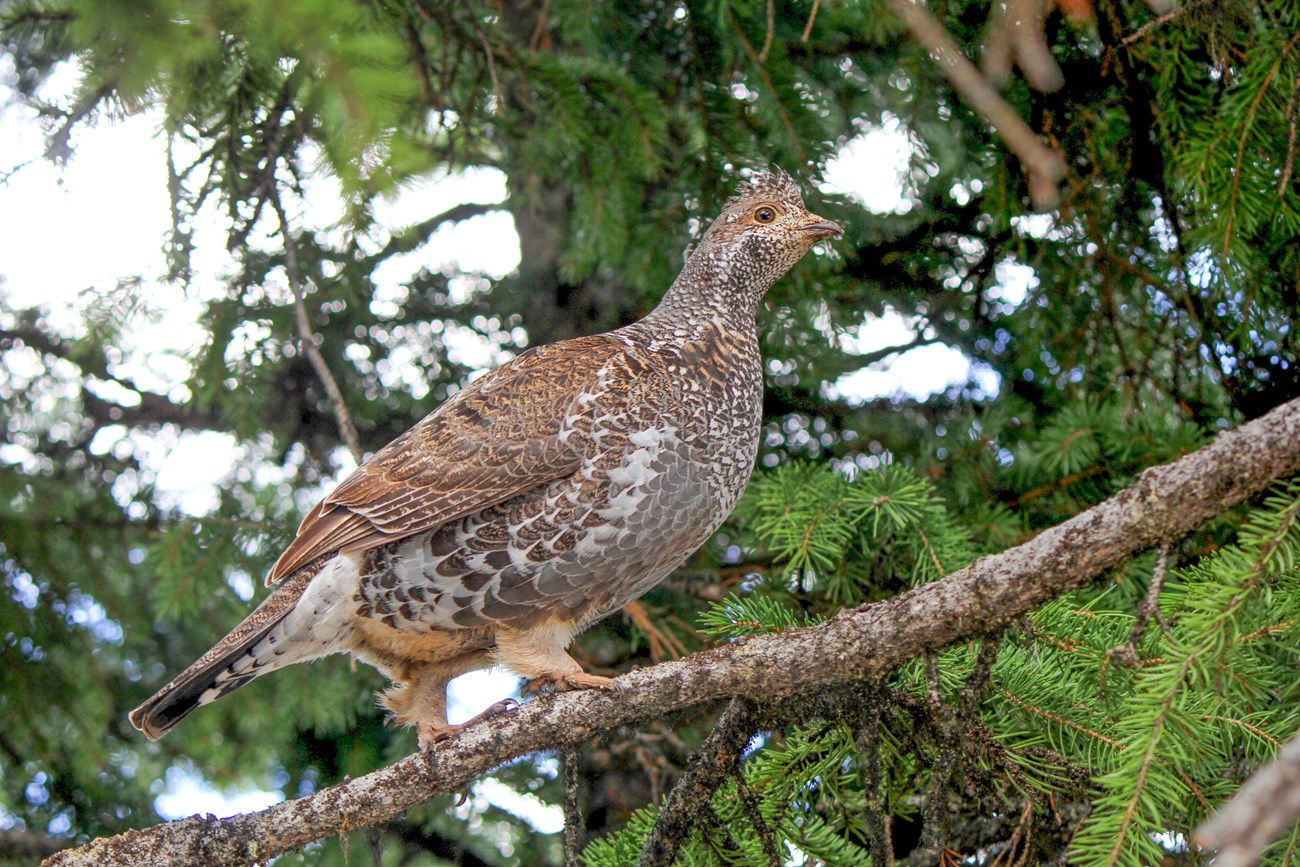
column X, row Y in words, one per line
column 738, row 258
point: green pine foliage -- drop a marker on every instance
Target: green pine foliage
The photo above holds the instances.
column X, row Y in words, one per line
column 1208, row 699
column 1162, row 743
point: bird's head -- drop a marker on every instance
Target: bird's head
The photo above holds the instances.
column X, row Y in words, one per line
column 763, row 230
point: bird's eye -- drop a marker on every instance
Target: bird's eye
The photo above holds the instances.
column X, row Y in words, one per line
column 765, row 214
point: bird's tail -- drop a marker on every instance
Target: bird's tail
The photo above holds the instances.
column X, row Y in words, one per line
column 248, row 651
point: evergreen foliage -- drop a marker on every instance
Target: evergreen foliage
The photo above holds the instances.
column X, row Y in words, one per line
column 1154, row 308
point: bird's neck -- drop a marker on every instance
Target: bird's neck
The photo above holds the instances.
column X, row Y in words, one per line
column 710, row 290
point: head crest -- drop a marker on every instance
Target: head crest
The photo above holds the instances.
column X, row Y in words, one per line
column 771, row 184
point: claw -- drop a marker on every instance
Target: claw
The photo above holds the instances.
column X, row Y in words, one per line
column 430, row 736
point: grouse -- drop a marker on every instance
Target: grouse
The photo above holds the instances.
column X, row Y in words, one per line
column 543, row 496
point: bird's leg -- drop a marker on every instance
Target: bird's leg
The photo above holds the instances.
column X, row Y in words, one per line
column 539, row 655
column 419, row 700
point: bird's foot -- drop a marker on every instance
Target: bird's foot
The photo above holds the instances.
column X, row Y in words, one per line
column 570, row 681
column 429, row 734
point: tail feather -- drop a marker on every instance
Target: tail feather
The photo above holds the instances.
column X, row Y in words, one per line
column 231, row 663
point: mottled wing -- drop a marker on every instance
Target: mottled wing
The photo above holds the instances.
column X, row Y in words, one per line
column 657, row 451
column 494, row 440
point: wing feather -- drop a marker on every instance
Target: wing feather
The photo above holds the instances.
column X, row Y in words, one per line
column 494, row 440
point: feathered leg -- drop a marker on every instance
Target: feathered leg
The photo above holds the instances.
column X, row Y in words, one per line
column 539, row 655
column 419, row 700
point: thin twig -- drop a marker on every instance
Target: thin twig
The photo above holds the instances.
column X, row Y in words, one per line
column 998, row 44
column 1292, row 115
column 1152, row 24
column 877, row 820
column 977, row 682
column 712, row 822
column 686, row 804
column 749, row 803
column 771, row 29
column 934, row 832
column 775, row 93
column 1127, row 653
column 663, row 643
column 413, row 236
column 575, row 823
column 541, row 27
column 933, row 681
column 812, row 16
column 1032, row 52
column 1043, row 166
column 499, row 101
column 307, row 335
column 8, row 174
column 1059, row 720
column 58, row 147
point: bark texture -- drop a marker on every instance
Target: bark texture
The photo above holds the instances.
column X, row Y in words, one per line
column 1266, row 806
column 854, row 647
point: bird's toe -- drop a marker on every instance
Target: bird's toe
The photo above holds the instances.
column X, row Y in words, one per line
column 583, row 680
column 429, row 736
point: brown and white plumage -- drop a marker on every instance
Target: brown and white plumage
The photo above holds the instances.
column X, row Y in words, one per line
column 545, row 495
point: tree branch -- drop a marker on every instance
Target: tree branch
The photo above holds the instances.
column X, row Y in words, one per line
column 715, row 760
column 153, row 408
column 1043, row 166
column 58, row 147
column 1262, row 809
column 575, row 825
column 857, row 645
column 416, row 235
column 877, row 819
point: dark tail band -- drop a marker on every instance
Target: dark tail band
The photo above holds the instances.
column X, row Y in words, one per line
column 215, row 669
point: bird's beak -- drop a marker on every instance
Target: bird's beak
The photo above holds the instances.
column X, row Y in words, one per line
column 823, row 229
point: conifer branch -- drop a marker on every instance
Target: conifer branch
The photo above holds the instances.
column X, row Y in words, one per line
column 413, row 237
column 868, row 743
column 812, row 16
column 713, row 763
column 1127, row 653
column 934, row 813
column 854, row 647
column 574, row 823
column 58, row 147
column 749, row 803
